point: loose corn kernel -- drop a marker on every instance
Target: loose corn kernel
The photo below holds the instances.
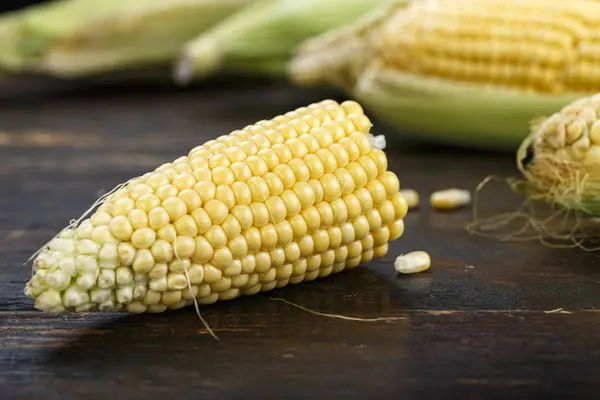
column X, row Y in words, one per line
column 450, row 199
column 411, row 196
column 413, row 262
column 271, row 205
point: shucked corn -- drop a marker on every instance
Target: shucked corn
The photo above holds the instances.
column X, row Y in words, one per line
column 291, row 199
column 561, row 157
column 466, row 72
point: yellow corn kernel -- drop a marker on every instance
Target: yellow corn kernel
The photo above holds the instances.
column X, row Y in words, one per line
column 413, row 262
column 300, row 200
column 450, row 199
column 411, row 196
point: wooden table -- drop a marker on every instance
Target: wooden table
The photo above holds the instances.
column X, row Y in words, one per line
column 475, row 325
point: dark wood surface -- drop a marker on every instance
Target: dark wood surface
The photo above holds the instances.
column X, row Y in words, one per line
column 475, row 326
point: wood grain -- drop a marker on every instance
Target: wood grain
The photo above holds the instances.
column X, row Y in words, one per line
column 475, row 326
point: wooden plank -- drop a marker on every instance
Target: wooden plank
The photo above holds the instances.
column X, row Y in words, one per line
column 475, row 326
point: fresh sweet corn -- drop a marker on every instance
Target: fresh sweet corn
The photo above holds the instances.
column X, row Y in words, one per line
column 291, row 199
column 467, row 72
column 261, row 38
column 560, row 159
column 84, row 37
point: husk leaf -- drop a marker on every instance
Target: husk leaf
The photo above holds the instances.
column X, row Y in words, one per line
column 264, row 33
column 81, row 37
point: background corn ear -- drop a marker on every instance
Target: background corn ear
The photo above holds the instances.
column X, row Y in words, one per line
column 10, row 60
column 264, row 34
column 472, row 73
column 84, row 37
column 560, row 158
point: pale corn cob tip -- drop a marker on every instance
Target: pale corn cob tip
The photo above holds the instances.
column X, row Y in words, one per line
column 198, row 59
column 183, row 70
column 561, row 156
column 301, row 196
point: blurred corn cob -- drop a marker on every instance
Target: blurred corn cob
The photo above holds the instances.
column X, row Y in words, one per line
column 470, row 72
column 84, row 37
column 261, row 37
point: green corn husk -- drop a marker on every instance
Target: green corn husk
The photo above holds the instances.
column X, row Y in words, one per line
column 10, row 60
column 426, row 108
column 71, row 38
column 261, row 37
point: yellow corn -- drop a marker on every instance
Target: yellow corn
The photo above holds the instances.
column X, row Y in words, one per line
column 462, row 71
column 561, row 157
column 298, row 197
column 541, row 46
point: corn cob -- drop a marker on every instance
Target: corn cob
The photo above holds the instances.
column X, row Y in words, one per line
column 286, row 200
column 261, row 37
column 466, row 72
column 70, row 38
column 561, row 157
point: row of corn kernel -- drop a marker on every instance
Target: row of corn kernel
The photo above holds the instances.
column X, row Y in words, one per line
column 124, row 294
column 213, row 269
